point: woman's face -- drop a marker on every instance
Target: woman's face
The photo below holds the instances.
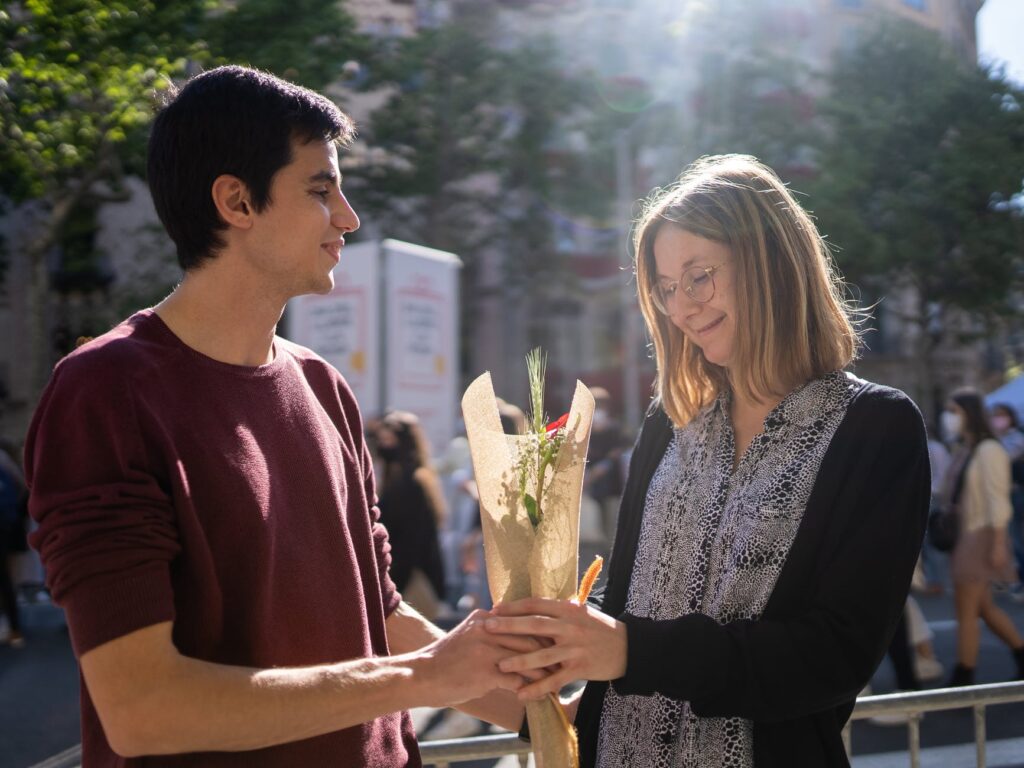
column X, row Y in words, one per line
column 386, row 438
column 710, row 325
column 954, row 421
column 1000, row 420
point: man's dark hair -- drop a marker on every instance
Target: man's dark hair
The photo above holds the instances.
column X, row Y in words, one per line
column 230, row 120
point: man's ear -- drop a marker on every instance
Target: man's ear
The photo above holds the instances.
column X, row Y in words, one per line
column 231, row 198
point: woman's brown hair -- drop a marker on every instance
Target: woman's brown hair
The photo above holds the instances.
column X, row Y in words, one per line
column 793, row 324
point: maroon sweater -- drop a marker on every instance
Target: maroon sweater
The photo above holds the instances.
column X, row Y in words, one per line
column 236, row 502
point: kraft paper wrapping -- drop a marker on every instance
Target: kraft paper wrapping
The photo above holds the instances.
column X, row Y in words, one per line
column 523, row 562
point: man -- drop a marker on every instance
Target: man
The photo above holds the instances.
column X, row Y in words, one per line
column 203, row 490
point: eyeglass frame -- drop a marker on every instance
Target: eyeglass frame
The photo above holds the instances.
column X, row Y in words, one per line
column 709, row 271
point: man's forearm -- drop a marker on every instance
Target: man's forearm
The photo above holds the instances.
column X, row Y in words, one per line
column 153, row 700
column 200, row 706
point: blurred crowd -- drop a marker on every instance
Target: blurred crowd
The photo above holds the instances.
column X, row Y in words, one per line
column 432, row 512
column 974, row 545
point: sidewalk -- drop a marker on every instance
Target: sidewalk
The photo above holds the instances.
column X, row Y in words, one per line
column 38, row 690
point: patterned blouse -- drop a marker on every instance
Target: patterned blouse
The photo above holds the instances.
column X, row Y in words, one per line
column 713, row 541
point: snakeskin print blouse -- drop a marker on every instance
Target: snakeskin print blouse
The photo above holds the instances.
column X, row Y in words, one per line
column 713, row 541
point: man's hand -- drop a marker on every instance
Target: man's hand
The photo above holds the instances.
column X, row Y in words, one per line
column 464, row 664
column 586, row 644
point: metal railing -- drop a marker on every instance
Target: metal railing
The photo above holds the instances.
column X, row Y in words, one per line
column 915, row 704
column 978, row 697
column 443, row 753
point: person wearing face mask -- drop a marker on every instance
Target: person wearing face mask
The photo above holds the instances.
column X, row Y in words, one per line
column 412, row 509
column 978, row 485
column 773, row 512
column 1007, row 428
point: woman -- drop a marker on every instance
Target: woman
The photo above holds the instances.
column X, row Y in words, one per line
column 1006, row 425
column 979, row 485
column 412, row 509
column 774, row 508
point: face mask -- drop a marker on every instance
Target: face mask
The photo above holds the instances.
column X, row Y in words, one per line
column 1001, row 423
column 388, row 455
column 952, row 425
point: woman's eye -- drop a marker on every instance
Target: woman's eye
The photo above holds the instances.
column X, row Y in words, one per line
column 700, row 279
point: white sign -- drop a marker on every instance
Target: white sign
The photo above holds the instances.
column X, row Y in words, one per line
column 343, row 327
column 421, row 311
column 390, row 326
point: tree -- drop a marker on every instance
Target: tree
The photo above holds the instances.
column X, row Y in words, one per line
column 467, row 154
column 920, row 180
column 77, row 83
column 304, row 41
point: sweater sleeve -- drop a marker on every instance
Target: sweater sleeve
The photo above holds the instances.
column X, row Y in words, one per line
column 994, row 474
column 107, row 531
column 822, row 654
column 390, row 595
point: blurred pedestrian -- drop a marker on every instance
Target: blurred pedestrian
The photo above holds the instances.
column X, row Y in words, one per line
column 603, row 479
column 13, row 498
column 978, row 486
column 1006, row 425
column 455, row 470
column 412, row 509
column 927, row 577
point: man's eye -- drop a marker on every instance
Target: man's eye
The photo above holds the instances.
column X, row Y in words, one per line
column 322, row 193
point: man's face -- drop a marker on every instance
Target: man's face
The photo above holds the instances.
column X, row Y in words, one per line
column 296, row 241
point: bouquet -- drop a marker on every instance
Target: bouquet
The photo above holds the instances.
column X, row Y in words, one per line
column 530, row 487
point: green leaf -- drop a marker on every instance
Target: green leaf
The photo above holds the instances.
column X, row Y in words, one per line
column 531, row 509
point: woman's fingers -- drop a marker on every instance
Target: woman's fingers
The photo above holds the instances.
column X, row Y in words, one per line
column 541, row 626
column 530, row 606
column 521, row 643
column 541, row 688
column 547, row 657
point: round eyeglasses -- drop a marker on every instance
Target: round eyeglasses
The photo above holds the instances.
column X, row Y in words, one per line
column 697, row 282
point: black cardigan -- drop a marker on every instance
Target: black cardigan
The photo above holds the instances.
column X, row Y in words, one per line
column 797, row 670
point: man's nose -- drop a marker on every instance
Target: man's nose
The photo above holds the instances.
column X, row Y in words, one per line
column 344, row 216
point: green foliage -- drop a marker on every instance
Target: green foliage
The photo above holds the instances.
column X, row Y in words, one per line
column 304, row 41
column 921, row 177
column 543, row 447
column 757, row 104
column 78, row 78
column 536, row 369
column 469, row 149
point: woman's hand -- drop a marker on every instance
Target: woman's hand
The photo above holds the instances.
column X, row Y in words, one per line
column 585, row 643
